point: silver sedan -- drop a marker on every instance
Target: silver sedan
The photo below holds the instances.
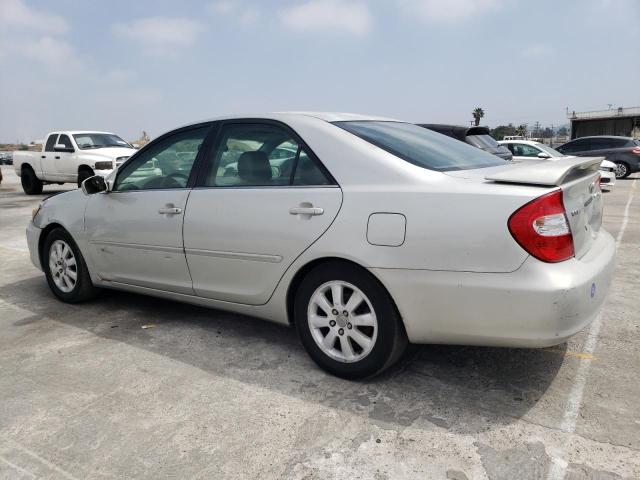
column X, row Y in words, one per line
column 364, row 233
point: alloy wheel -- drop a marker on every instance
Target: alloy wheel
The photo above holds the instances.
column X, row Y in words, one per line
column 621, row 170
column 342, row 321
column 63, row 266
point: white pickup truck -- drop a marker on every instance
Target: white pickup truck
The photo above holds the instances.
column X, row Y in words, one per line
column 70, row 157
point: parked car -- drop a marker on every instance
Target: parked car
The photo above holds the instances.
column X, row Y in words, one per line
column 383, row 232
column 623, row 151
column 479, row 137
column 70, row 157
column 527, row 150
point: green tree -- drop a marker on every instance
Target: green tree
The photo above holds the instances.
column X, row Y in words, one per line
column 522, row 130
column 502, row 131
column 477, row 113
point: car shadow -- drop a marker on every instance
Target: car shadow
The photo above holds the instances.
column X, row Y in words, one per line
column 462, row 389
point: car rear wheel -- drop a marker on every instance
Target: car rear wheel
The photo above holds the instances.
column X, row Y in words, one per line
column 65, row 268
column 30, row 183
column 622, row 170
column 347, row 321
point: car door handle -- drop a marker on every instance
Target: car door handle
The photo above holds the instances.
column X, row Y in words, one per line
column 168, row 210
column 58, row 158
column 306, row 211
column 43, row 156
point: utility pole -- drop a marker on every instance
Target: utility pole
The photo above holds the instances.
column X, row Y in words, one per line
column 551, row 139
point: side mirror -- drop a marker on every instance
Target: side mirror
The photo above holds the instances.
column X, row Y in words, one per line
column 544, row 155
column 93, row 185
column 61, row 147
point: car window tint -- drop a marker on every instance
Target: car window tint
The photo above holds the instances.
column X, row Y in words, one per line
column 524, row 150
column 421, row 146
column 622, row 143
column 165, row 164
column 601, row 143
column 255, row 154
column 308, row 172
column 579, row 145
column 65, row 140
column 51, row 141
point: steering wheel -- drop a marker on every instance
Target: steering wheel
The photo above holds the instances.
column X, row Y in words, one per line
column 176, row 177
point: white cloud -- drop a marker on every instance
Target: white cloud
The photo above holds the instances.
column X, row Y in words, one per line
column 16, row 14
column 351, row 17
column 245, row 15
column 447, row 11
column 55, row 54
column 160, row 34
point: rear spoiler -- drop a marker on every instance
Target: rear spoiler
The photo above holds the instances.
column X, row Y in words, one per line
column 548, row 173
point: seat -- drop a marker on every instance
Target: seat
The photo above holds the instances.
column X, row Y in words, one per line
column 254, row 168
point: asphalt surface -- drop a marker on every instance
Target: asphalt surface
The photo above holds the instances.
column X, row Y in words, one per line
column 131, row 386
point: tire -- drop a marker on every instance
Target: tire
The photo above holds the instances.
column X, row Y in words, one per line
column 622, row 170
column 83, row 175
column 31, row 184
column 354, row 351
column 57, row 255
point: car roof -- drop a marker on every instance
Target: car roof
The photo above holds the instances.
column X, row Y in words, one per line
column 78, row 132
column 528, row 142
column 603, row 136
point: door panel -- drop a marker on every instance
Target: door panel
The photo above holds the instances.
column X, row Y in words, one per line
column 240, row 241
column 131, row 242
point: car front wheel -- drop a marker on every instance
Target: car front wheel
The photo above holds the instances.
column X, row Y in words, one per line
column 347, row 321
column 622, row 170
column 65, row 268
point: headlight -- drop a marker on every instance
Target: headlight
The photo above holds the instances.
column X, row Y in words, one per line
column 35, row 211
column 104, row 165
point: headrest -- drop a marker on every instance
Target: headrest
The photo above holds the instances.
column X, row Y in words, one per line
column 254, row 167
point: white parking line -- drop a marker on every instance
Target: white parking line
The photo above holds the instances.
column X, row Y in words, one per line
column 558, row 467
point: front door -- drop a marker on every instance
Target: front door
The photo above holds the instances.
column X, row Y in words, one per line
column 262, row 199
column 64, row 163
column 135, row 231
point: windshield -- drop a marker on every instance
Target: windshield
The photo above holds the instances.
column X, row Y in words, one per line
column 87, row 141
column 483, row 141
column 421, row 146
column 551, row 151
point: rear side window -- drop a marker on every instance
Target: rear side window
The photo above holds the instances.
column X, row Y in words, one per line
column 420, row 146
column 482, row 141
column 51, row 141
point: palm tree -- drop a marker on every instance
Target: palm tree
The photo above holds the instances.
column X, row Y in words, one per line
column 478, row 113
column 522, row 130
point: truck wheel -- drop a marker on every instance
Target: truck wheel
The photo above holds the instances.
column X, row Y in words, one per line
column 30, row 183
column 83, row 175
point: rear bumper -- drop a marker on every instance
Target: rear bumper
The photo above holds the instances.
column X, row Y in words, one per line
column 608, row 179
column 33, row 240
column 538, row 305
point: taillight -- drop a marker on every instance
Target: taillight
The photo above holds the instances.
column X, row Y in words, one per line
column 541, row 227
column 636, row 150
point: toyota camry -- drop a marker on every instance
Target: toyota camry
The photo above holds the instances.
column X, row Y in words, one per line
column 365, row 233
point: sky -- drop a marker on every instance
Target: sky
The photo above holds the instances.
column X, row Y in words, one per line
column 128, row 66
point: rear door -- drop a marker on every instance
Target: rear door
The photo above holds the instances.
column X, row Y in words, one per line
column 262, row 198
column 47, row 160
column 135, row 231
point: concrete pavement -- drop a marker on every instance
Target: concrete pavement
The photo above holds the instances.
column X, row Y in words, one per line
column 131, row 386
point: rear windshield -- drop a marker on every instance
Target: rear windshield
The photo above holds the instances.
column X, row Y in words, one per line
column 482, row 141
column 421, row 146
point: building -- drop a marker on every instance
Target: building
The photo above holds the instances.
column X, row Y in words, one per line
column 624, row 122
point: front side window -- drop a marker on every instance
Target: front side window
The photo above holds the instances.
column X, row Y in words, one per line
column 254, row 154
column 165, row 164
column 420, row 146
column 51, row 141
column 65, row 140
column 524, row 150
column 580, row 145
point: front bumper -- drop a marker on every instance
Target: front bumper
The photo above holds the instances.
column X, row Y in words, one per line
column 538, row 305
column 33, row 241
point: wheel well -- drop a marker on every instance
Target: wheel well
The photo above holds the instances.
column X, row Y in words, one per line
column 26, row 166
column 305, row 269
column 43, row 237
column 85, row 167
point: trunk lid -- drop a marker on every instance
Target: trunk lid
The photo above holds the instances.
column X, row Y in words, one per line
column 578, row 179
